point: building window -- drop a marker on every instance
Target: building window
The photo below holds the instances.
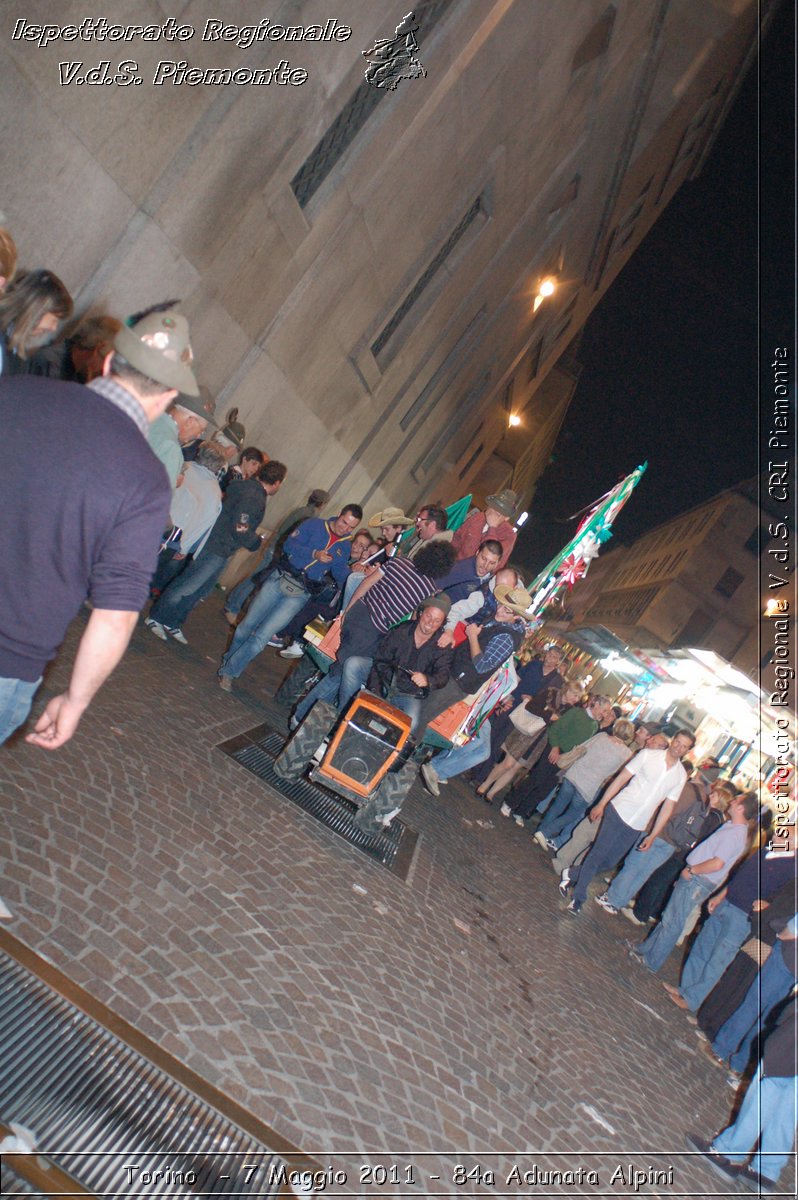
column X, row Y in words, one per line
column 534, row 359
column 596, row 42
column 566, row 197
column 729, row 582
column 564, row 321
column 756, row 541
column 476, row 214
column 441, row 448
column 339, row 136
column 472, row 460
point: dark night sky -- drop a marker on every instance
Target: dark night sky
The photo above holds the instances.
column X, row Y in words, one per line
column 669, row 356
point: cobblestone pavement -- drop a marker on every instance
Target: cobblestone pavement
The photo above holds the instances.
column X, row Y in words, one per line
column 458, row 1013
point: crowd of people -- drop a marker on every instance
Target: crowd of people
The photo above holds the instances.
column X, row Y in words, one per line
column 125, row 490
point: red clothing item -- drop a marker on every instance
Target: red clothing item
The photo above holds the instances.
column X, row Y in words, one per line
column 472, row 533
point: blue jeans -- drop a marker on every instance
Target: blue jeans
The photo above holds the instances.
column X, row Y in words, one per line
column 238, row 596
column 735, row 1039
column 463, row 758
column 338, row 686
column 16, row 697
column 565, row 813
column 192, row 585
column 687, row 894
column 640, row 865
column 614, row 841
column 714, row 948
column 412, row 705
column 359, row 639
column 767, row 1116
column 268, row 613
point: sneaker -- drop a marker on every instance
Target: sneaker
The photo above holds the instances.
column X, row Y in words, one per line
column 604, row 903
column 225, row 683
column 505, row 810
column 430, row 779
column 574, row 908
column 718, row 1162
column 630, row 916
column 276, row 643
column 541, row 840
column 386, row 820
column 155, row 627
column 519, row 821
column 293, row 723
column 633, row 950
column 177, row 634
column 564, row 886
column 295, row 650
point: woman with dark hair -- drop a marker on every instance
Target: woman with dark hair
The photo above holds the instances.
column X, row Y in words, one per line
column 32, row 309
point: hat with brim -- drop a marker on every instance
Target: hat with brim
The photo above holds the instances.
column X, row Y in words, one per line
column 440, row 601
column 505, row 502
column 159, row 347
column 390, row 516
column 201, row 405
column 516, row 599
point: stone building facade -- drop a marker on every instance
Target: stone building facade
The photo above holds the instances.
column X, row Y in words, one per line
column 360, row 266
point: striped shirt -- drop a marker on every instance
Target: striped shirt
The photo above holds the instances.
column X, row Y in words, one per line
column 398, row 593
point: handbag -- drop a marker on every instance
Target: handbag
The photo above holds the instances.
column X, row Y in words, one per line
column 332, row 639
column 525, row 721
column 289, row 586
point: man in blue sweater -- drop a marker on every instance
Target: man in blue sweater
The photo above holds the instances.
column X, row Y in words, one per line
column 315, row 549
column 83, row 517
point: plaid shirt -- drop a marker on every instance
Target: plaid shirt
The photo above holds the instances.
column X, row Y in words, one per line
column 122, row 398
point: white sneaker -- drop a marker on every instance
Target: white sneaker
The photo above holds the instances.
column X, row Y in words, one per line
column 177, row 634
column 295, row 650
column 630, row 916
column 386, row 820
column 155, row 627
column 505, row 810
column 519, row 821
column 430, row 778
column 604, row 903
column 540, row 838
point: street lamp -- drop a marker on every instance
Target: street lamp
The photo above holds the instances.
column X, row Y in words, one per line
column 546, row 289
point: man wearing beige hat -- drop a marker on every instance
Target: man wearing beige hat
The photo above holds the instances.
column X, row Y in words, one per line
column 495, row 522
column 83, row 518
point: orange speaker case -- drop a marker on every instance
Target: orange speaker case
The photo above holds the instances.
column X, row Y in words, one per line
column 366, row 702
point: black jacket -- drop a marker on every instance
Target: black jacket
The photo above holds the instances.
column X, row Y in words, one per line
column 244, row 504
column 397, row 656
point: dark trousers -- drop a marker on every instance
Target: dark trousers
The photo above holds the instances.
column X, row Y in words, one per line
column 528, row 793
column 500, row 726
column 655, row 892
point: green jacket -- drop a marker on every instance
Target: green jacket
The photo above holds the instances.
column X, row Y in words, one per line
column 573, row 728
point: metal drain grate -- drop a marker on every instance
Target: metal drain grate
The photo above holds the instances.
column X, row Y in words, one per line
column 256, row 750
column 106, row 1115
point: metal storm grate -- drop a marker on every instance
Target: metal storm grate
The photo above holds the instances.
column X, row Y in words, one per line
column 103, row 1116
column 257, row 749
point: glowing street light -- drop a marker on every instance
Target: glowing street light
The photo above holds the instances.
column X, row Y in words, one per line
column 546, row 289
column 513, row 419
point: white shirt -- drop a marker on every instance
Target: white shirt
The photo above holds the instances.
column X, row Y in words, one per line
column 653, row 781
